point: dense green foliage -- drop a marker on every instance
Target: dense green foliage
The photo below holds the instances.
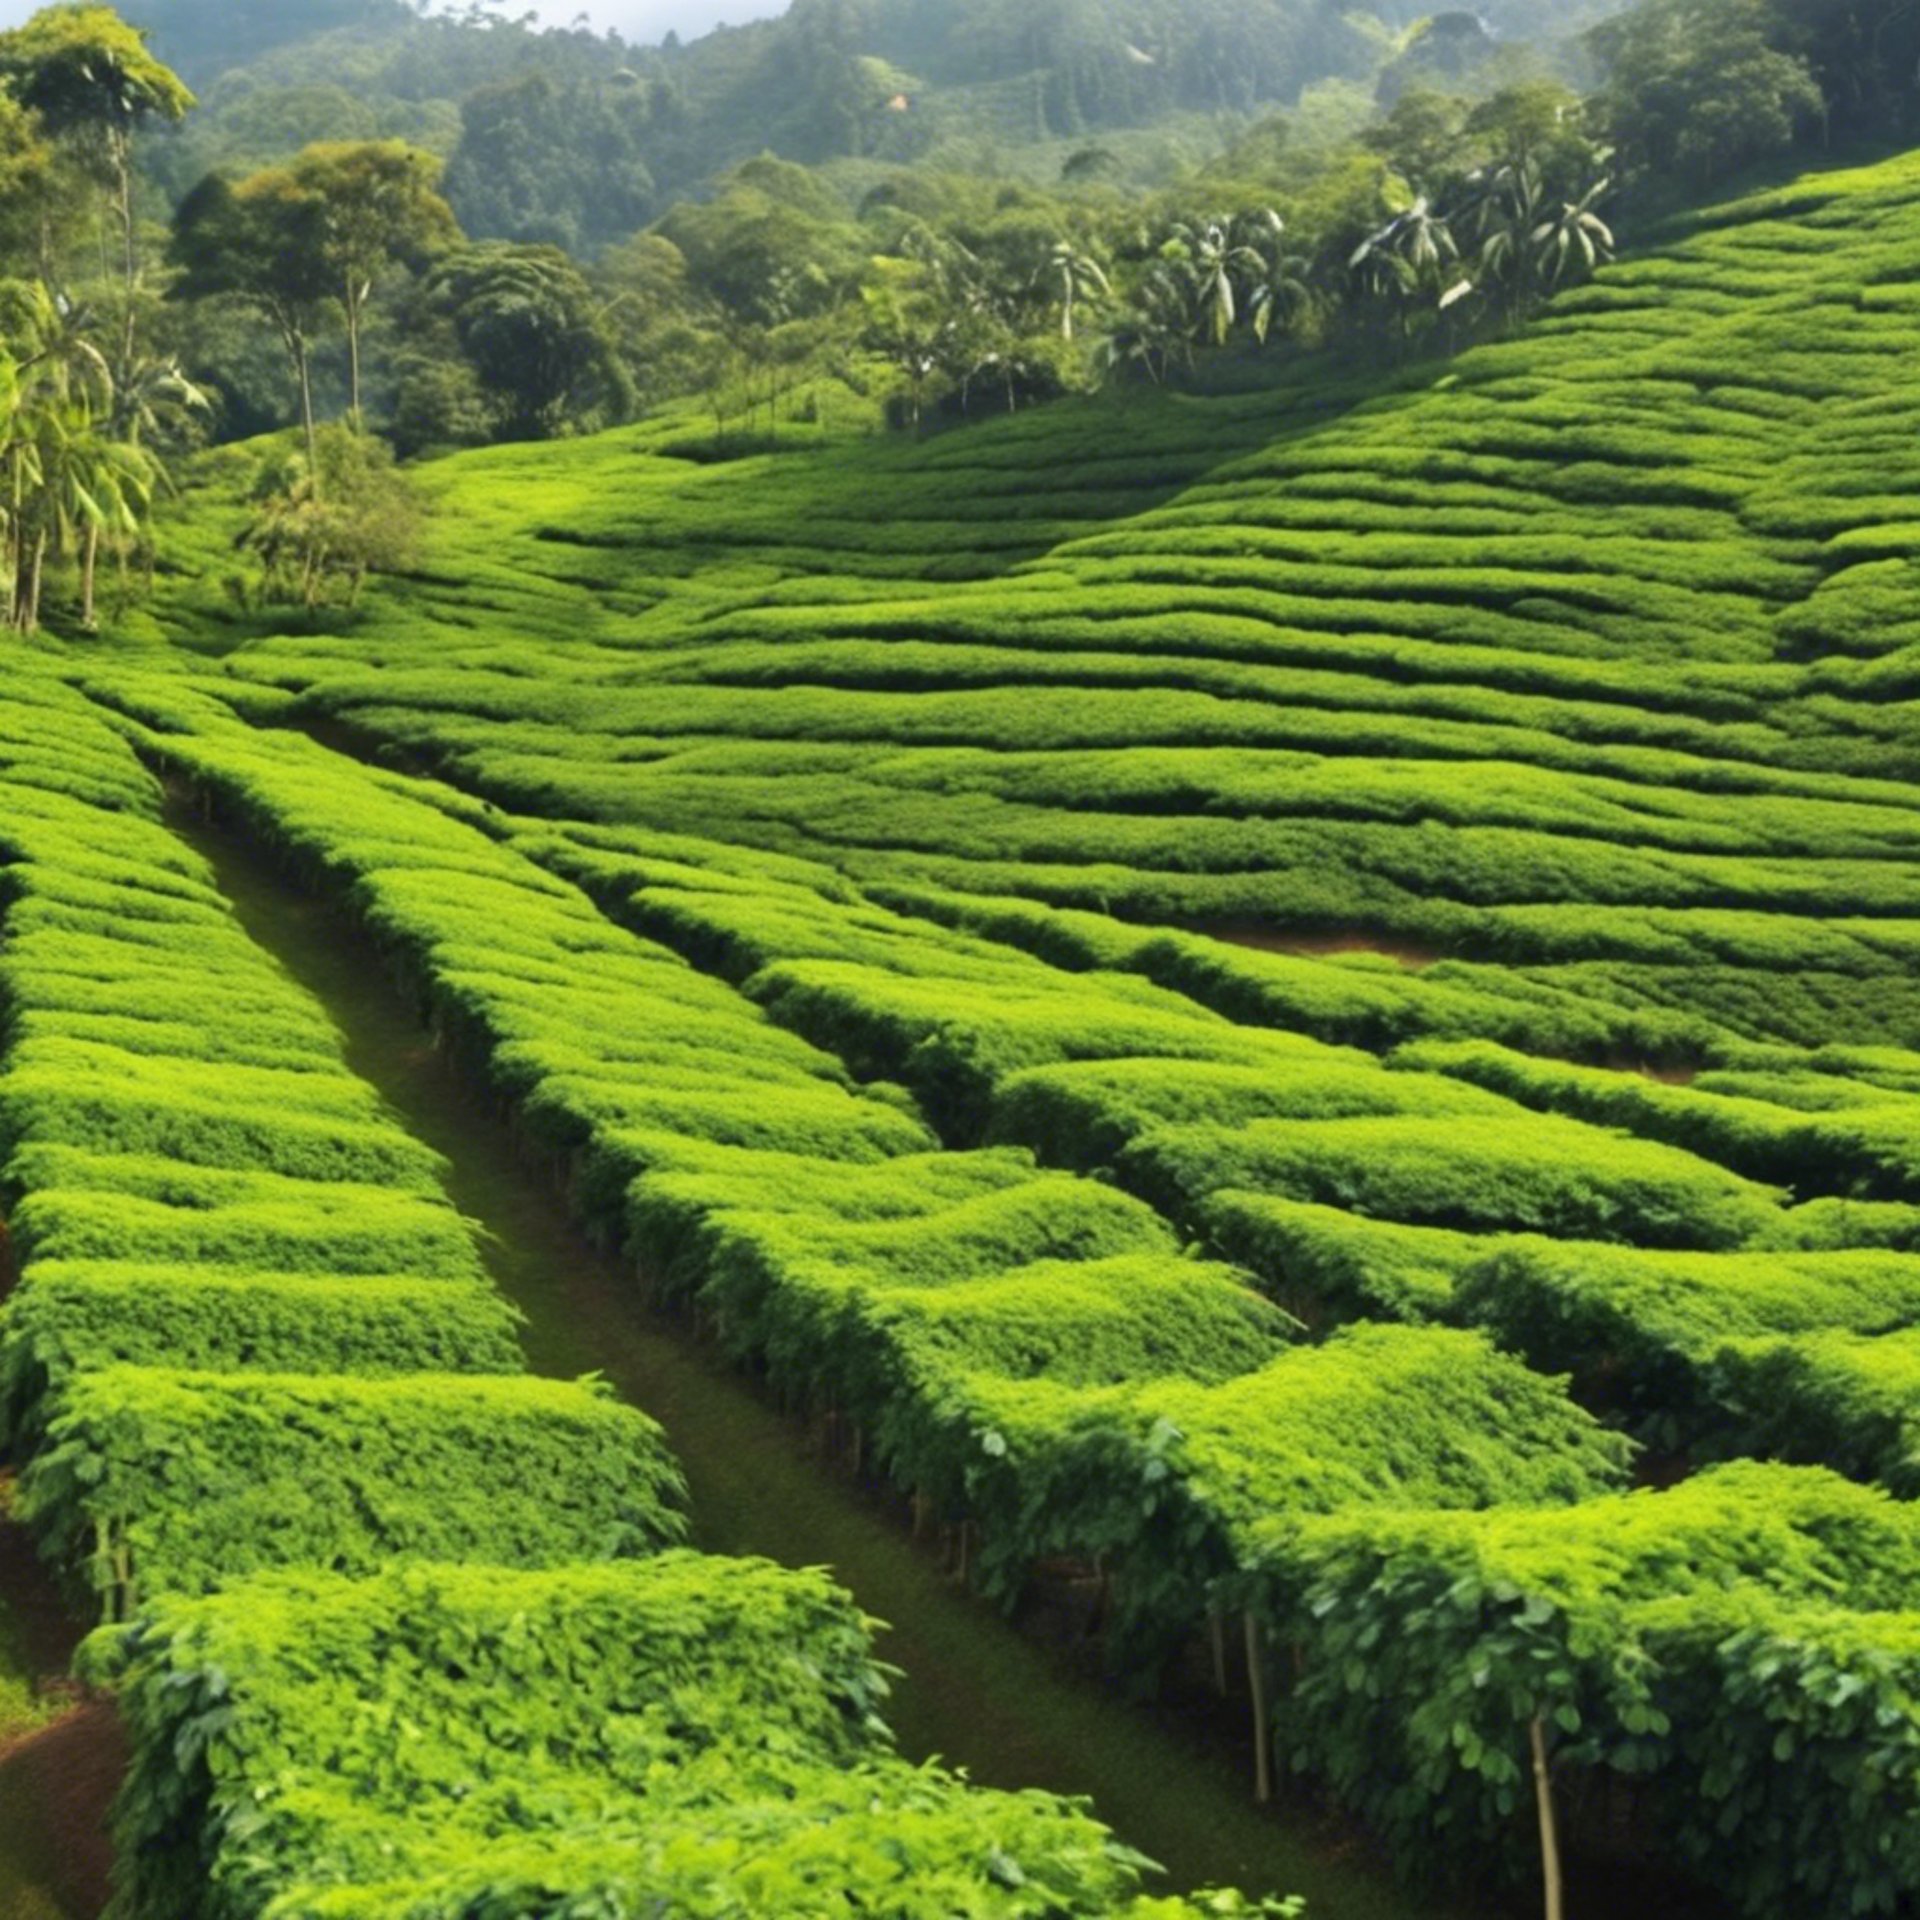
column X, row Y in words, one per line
column 1444, row 854
column 689, row 1735
column 249, row 1335
column 1235, row 991
column 1739, row 1650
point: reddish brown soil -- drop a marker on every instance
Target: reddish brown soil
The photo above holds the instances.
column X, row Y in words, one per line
column 46, row 1634
column 55, row 1789
column 1668, row 1076
column 1324, row 946
column 56, row 1781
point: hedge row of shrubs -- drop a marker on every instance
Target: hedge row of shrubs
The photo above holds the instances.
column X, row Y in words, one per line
column 1726, row 1670
column 686, row 1734
column 248, row 1328
column 975, row 1316
column 401, row 1636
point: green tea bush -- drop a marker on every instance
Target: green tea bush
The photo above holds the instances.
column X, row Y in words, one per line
column 152, row 1480
column 683, row 1733
column 1170, row 1483
column 1696, row 1640
column 1838, row 1398
column 1871, row 1152
column 73, row 1318
column 1467, row 1174
column 1645, row 1328
column 1325, row 1263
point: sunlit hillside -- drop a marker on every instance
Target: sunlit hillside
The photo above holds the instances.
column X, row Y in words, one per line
column 959, row 912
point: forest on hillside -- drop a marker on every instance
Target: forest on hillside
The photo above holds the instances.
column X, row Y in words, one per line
column 458, row 229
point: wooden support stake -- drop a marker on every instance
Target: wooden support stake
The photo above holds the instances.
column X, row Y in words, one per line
column 1262, row 1730
column 105, row 1577
column 1549, row 1827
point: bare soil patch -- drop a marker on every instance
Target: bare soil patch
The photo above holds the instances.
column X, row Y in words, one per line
column 56, row 1787
column 1325, row 946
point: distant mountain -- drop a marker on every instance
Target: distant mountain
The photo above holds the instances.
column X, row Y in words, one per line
column 203, row 38
column 571, row 136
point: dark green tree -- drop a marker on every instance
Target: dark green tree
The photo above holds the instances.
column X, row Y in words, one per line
column 263, row 242
column 381, row 208
column 554, row 162
column 1695, row 88
column 91, row 80
column 529, row 325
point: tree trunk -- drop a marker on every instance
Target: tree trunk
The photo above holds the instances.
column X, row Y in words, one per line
column 304, row 369
column 89, row 569
column 1549, row 1827
column 129, row 334
column 32, row 574
column 352, row 306
column 1262, row 1727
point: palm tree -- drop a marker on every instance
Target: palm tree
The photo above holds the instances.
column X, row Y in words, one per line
column 1283, row 286
column 1504, row 213
column 1213, row 260
column 1409, row 259
column 62, row 384
column 1153, row 331
column 1575, row 237
column 1074, row 276
column 66, row 483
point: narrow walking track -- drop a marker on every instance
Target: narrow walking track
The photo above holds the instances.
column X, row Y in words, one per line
column 976, row 1691
column 60, row 1757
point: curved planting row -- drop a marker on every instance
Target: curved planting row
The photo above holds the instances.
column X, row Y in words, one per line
column 1013, row 1344
column 407, row 1633
column 1027, row 1350
column 1320, row 821
column 1572, row 656
column 1756, row 1722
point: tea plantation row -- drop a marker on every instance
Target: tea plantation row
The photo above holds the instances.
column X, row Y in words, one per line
column 408, row 1632
column 1177, row 965
column 1030, row 1355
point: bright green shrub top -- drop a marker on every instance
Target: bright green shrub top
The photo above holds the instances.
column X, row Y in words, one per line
column 161, row 1481
column 1848, row 1400
column 687, row 1733
column 1700, row 1636
column 70, row 1318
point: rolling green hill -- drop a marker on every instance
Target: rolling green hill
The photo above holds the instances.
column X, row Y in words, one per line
column 1248, row 989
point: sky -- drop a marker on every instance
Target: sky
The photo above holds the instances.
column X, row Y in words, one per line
column 639, row 20
column 645, row 20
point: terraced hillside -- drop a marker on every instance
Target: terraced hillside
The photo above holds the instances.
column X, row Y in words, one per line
column 1247, row 991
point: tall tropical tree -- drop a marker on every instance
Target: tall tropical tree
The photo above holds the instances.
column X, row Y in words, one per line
column 1412, row 264
column 1506, row 208
column 69, row 483
column 1572, row 240
column 263, row 242
column 535, row 335
column 380, row 206
column 92, row 81
column 1153, row 331
column 1282, row 287
column 1215, row 263
column 1073, row 276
